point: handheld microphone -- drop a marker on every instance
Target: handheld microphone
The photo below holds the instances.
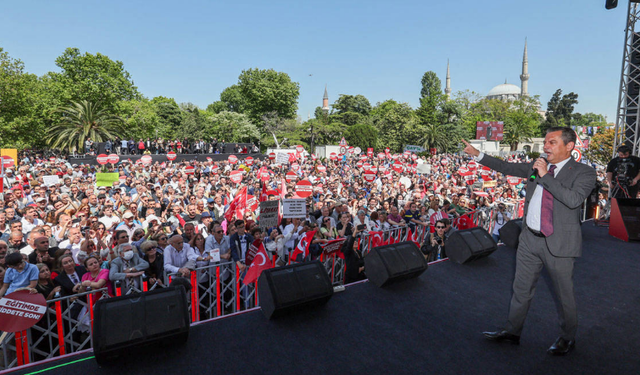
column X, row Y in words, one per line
column 534, row 174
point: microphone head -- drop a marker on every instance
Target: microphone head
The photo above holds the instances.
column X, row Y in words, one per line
column 544, row 155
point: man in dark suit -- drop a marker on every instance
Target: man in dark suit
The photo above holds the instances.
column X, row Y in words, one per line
column 551, row 235
column 240, row 242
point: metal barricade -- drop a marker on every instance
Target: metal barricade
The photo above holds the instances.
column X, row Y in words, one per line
column 65, row 328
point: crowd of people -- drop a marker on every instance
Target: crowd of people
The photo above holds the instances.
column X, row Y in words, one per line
column 155, row 146
column 157, row 218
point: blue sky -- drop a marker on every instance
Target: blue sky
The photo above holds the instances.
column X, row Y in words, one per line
column 192, row 50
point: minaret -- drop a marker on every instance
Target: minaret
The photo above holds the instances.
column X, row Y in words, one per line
column 447, row 89
column 524, row 77
column 325, row 101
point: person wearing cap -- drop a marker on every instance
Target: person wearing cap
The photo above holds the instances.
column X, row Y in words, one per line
column 205, row 222
column 127, row 224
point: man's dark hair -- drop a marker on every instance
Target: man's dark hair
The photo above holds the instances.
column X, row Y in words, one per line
column 13, row 259
column 255, row 230
column 14, row 222
column 624, row 149
column 442, row 221
column 239, row 223
column 568, row 135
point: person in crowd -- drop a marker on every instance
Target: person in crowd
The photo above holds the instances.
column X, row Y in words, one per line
column 179, row 257
column 127, row 268
column 500, row 218
column 354, row 260
column 19, row 275
column 433, row 247
column 45, row 285
column 155, row 272
column 69, row 276
column 239, row 244
column 95, row 277
column 42, row 253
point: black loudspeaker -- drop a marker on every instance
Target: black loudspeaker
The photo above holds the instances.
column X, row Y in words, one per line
column 469, row 244
column 139, row 320
column 282, row 290
column 510, row 233
column 388, row 264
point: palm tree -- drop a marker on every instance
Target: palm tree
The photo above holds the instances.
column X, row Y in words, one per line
column 82, row 120
column 433, row 136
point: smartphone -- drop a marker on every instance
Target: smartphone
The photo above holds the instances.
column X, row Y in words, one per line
column 166, row 224
column 75, row 221
column 361, row 226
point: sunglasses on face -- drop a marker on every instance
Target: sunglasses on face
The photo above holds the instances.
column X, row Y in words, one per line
column 439, row 227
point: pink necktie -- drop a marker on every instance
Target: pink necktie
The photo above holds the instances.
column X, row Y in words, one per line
column 546, row 214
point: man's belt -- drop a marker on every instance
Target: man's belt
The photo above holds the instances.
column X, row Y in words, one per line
column 536, row 233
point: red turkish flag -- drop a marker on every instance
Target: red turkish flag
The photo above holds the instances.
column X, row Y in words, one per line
column 414, row 237
column 260, row 263
column 237, row 205
column 303, row 245
column 264, row 196
column 283, row 189
column 376, row 238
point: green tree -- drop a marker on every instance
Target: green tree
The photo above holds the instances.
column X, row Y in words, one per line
column 169, row 116
column 140, row 117
column 266, row 91
column 601, row 146
column 588, row 119
column 94, row 78
column 431, row 98
column 275, row 125
column 84, row 120
column 351, row 110
column 232, row 127
column 21, row 123
column 522, row 121
column 434, row 135
column 396, row 124
column 362, row 135
column 559, row 110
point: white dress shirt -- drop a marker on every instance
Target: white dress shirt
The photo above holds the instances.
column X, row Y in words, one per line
column 535, row 204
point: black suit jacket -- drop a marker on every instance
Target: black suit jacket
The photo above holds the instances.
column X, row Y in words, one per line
column 234, row 243
column 65, row 283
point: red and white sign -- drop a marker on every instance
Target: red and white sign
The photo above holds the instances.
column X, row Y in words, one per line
column 264, row 175
column 414, row 157
column 394, row 157
column 398, row 167
column 248, row 160
column 357, row 150
column 214, row 169
column 146, row 159
column 343, row 150
column 313, row 156
column 576, row 154
column 233, row 159
column 387, row 150
column 52, row 159
column 363, row 157
column 472, row 165
column 352, row 150
column 290, row 176
column 382, row 168
column 7, row 161
column 370, row 152
column 272, row 156
column 236, row 176
column 299, row 148
column 513, row 180
column 113, row 158
column 252, row 203
column 444, row 161
column 304, row 188
column 295, row 167
column 189, row 169
column 321, row 168
column 366, row 166
column 102, row 159
column 21, row 310
column 486, row 175
column 381, row 156
column 343, row 142
column 359, row 164
column 333, row 156
column 369, row 176
column 171, row 155
column 470, row 178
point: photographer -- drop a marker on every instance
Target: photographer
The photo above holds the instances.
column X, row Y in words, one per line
column 433, row 246
column 623, row 174
column 499, row 218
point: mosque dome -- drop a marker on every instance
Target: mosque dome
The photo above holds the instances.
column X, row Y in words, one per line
column 505, row 91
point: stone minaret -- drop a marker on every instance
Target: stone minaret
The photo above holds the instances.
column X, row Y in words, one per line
column 325, row 100
column 524, row 77
column 447, row 89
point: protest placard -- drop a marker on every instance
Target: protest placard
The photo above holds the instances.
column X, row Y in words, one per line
column 106, row 179
column 268, row 214
column 292, row 208
column 51, row 180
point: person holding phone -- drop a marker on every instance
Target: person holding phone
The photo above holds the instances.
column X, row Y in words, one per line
column 433, row 246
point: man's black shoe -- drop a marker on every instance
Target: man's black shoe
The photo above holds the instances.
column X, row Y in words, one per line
column 502, row 336
column 561, row 346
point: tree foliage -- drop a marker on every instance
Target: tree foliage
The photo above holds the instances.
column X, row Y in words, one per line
column 396, row 124
column 362, row 135
column 83, row 120
column 559, row 110
column 601, row 146
column 265, row 91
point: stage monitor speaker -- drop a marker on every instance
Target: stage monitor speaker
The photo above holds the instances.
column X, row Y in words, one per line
column 510, row 233
column 469, row 244
column 624, row 222
column 388, row 264
column 139, row 320
column 298, row 286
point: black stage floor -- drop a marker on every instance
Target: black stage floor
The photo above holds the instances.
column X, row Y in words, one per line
column 428, row 325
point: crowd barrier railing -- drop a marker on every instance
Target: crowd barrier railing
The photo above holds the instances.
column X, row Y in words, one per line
column 65, row 328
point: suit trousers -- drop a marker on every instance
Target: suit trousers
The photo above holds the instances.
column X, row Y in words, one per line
column 533, row 254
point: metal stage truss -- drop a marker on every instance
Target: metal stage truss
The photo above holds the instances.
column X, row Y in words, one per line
column 628, row 114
